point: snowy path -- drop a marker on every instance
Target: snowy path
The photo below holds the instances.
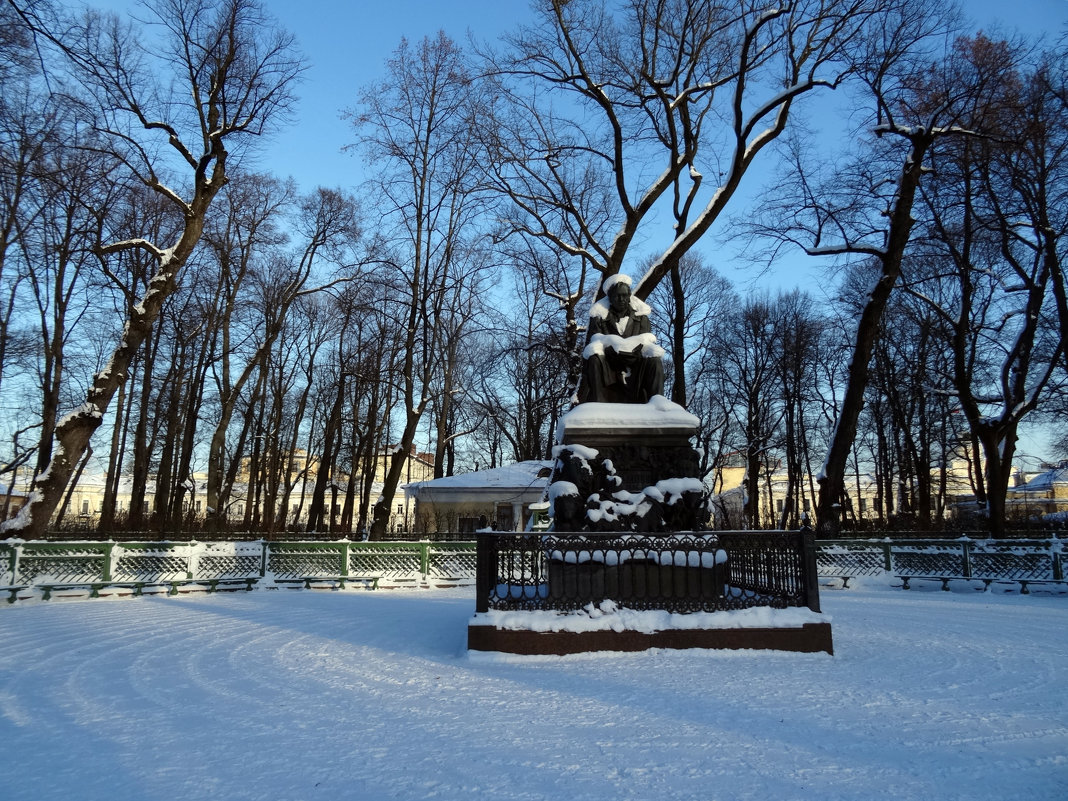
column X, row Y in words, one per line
column 370, row 695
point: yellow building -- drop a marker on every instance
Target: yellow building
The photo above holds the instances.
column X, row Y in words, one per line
column 862, row 494
column 1044, row 495
column 86, row 498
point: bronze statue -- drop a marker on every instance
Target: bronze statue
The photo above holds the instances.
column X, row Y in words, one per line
column 622, row 360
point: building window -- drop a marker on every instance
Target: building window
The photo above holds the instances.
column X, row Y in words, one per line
column 85, row 507
column 505, row 518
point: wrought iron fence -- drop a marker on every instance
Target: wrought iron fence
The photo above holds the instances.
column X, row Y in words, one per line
column 100, row 564
column 687, row 572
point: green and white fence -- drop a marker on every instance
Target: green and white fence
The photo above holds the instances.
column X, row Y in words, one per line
column 37, row 569
column 1021, row 561
column 173, row 566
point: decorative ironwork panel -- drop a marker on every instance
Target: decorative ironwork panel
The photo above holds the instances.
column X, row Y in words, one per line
column 218, row 560
column 75, row 563
column 519, row 577
column 451, row 562
column 677, row 573
column 765, row 568
column 397, row 561
column 848, row 560
column 929, row 560
column 146, row 565
column 1012, row 562
column 292, row 560
column 212, row 566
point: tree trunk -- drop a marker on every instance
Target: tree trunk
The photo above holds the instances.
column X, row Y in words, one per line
column 832, row 478
column 114, row 473
column 393, row 476
column 678, row 333
column 998, row 449
column 317, row 518
column 142, row 449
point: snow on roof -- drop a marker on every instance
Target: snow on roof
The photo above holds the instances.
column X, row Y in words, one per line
column 520, row 475
column 1044, row 482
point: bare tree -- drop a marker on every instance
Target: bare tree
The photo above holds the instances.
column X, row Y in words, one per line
column 523, row 378
column 289, row 382
column 33, row 129
column 800, row 332
column 992, row 271
column 908, row 431
column 225, row 74
column 922, row 101
column 76, row 193
column 748, row 371
column 142, row 213
column 417, row 128
column 326, row 227
column 247, row 223
column 607, row 109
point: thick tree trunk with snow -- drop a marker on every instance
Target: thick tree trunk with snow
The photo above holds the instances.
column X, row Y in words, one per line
column 230, row 71
column 999, row 446
column 75, row 430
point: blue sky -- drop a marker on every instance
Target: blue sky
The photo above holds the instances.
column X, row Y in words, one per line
column 348, row 42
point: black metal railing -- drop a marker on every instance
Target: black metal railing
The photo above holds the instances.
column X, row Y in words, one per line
column 684, row 572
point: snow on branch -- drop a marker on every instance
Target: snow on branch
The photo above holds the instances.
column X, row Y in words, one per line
column 132, row 244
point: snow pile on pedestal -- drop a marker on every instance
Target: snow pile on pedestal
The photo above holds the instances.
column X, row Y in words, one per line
column 659, row 412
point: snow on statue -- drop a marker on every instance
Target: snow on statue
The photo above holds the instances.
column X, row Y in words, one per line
column 623, row 362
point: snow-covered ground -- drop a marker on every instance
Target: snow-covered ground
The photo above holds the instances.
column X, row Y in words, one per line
column 371, row 695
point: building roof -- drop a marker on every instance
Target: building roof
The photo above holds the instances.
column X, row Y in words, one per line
column 1044, row 482
column 518, row 477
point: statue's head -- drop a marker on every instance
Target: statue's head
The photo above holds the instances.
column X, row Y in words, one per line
column 619, row 297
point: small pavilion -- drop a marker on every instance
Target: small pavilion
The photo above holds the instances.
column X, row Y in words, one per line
column 499, row 498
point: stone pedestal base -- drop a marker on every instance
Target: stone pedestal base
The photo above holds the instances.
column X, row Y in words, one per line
column 646, row 443
column 808, row 638
column 609, row 448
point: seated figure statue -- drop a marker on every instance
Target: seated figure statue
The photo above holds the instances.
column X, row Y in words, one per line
column 623, row 363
